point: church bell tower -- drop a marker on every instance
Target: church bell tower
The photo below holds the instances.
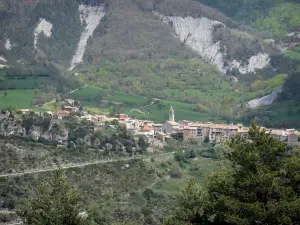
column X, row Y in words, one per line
column 171, row 114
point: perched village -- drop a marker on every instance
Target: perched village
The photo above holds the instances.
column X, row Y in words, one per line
column 184, row 130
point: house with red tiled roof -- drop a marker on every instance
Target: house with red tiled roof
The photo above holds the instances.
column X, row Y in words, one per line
column 123, row 117
column 147, row 128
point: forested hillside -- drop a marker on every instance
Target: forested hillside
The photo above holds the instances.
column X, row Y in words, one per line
column 273, row 17
column 206, row 53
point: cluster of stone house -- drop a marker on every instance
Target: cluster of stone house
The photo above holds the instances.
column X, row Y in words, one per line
column 196, row 131
column 216, row 133
column 191, row 131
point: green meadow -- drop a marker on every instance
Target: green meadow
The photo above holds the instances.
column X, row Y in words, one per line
column 183, row 111
column 131, row 103
column 19, row 99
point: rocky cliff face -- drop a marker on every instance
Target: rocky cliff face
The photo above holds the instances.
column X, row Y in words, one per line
column 71, row 133
column 35, row 128
column 197, row 33
column 200, row 35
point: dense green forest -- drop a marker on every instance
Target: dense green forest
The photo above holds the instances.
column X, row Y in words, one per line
column 272, row 17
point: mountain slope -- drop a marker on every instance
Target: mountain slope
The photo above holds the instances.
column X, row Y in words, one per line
column 274, row 18
column 169, row 49
column 127, row 30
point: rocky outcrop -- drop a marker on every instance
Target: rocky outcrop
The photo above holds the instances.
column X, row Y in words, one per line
column 10, row 126
column 15, row 125
column 294, row 34
column 199, row 34
column 56, row 134
column 72, row 134
column 8, row 45
column 3, row 60
column 289, row 41
column 44, row 27
column 258, row 61
column 266, row 100
column 90, row 16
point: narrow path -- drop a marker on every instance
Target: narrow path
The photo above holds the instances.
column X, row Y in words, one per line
column 79, row 165
column 54, row 100
column 7, row 212
column 148, row 105
column 77, row 89
column 137, row 110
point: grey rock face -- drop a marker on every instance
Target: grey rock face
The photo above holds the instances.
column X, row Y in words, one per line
column 108, row 147
column 35, row 135
column 11, row 124
column 266, row 100
column 96, row 143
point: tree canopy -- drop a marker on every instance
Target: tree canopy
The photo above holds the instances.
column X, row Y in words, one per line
column 56, row 202
column 261, row 185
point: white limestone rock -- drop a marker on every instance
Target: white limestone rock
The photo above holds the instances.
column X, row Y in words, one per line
column 91, row 15
column 197, row 33
column 286, row 44
column 259, row 61
column 44, row 27
column 7, row 44
column 266, row 100
column 294, row 34
column 3, row 59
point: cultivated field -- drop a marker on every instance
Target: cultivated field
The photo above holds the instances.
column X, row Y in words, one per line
column 19, row 99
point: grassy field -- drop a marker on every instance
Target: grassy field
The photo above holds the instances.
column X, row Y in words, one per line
column 157, row 113
column 128, row 100
column 19, row 99
column 84, row 94
column 183, row 111
column 287, row 111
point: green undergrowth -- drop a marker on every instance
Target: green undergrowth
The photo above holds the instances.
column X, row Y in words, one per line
column 139, row 190
column 293, row 53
